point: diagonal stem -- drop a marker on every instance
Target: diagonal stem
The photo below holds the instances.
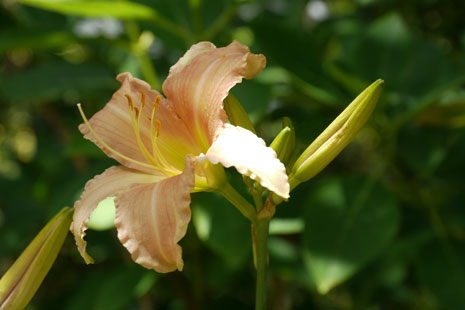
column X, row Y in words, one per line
column 221, row 21
column 239, row 202
column 145, row 64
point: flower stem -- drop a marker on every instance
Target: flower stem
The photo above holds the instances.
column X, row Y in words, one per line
column 239, row 202
column 261, row 252
column 221, row 21
column 143, row 58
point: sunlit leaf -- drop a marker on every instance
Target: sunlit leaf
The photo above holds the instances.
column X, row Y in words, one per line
column 103, row 216
column 118, row 9
column 348, row 224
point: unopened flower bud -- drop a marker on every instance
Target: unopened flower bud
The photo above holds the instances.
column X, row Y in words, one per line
column 284, row 142
column 24, row 277
column 237, row 114
column 336, row 136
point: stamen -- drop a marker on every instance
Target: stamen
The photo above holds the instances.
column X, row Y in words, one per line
column 135, row 112
column 129, row 101
column 156, row 103
column 106, row 145
column 155, row 132
column 157, row 121
column 142, row 100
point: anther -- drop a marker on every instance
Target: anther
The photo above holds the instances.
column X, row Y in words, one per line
column 142, row 99
column 156, row 103
column 131, row 105
column 157, row 121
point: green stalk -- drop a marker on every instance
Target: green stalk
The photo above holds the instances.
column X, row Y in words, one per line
column 145, row 64
column 221, row 21
column 239, row 202
column 261, row 252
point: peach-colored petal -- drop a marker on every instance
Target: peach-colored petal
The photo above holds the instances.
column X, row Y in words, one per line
column 198, row 84
column 238, row 147
column 113, row 125
column 107, row 184
column 193, row 52
column 152, row 218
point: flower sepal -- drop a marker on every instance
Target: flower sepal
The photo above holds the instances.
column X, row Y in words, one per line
column 209, row 177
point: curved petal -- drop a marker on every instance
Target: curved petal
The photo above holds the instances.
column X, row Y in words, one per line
column 238, row 147
column 200, row 81
column 113, row 125
column 193, row 52
column 107, row 184
column 152, row 218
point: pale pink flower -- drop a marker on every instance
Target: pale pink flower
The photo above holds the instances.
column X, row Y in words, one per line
column 168, row 148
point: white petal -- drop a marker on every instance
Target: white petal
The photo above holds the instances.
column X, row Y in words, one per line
column 238, row 147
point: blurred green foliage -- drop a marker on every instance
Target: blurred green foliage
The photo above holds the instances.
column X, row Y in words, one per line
column 382, row 227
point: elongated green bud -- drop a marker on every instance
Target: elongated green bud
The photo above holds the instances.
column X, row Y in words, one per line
column 236, row 113
column 291, row 144
column 336, row 136
column 22, row 280
column 280, row 142
column 284, row 143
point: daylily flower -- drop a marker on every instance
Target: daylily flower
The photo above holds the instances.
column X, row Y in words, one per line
column 169, row 148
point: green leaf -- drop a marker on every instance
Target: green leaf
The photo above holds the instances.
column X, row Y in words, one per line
column 103, row 217
column 52, row 81
column 441, row 268
column 387, row 48
column 254, row 98
column 348, row 223
column 299, row 52
column 284, row 226
column 37, row 40
column 117, row 9
column 111, row 287
column 223, row 229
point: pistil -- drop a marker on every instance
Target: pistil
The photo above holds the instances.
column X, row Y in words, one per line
column 113, row 151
